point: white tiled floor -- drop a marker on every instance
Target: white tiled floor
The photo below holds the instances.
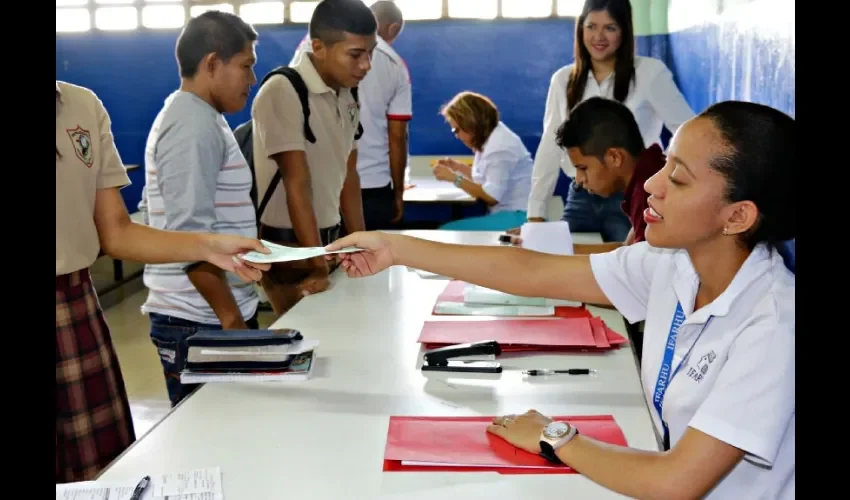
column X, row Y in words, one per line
column 139, row 360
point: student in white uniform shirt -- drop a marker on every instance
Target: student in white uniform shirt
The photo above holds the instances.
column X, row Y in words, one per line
column 605, row 65
column 386, row 107
column 500, row 175
column 718, row 357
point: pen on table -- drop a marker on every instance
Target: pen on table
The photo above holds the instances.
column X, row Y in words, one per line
column 571, row 371
column 140, row 488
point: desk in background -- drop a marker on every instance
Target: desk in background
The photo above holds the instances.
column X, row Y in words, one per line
column 430, row 193
column 324, row 438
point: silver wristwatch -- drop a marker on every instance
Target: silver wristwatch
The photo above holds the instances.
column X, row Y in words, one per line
column 458, row 180
column 555, row 435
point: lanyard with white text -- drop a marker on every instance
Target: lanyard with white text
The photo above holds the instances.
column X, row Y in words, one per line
column 665, row 374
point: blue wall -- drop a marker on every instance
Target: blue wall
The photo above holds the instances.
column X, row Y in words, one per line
column 738, row 54
column 510, row 61
column 745, row 52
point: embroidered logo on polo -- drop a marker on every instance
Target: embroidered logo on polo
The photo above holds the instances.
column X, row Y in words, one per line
column 81, row 140
column 352, row 112
column 697, row 373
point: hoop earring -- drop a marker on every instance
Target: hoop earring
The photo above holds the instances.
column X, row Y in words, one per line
column 725, row 231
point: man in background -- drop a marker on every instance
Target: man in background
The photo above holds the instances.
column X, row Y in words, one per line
column 198, row 180
column 386, row 107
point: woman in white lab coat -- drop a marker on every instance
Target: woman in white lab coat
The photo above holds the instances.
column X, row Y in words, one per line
column 719, row 342
column 605, row 65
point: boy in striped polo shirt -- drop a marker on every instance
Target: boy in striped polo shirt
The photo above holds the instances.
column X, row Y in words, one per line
column 198, row 180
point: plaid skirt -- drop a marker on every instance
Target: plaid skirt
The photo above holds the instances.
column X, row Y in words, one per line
column 93, row 421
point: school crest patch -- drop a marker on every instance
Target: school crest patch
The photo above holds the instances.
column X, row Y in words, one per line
column 81, row 139
column 353, row 108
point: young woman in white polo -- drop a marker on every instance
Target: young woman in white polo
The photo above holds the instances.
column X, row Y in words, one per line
column 718, row 355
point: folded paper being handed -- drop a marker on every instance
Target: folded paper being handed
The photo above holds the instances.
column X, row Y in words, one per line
column 280, row 253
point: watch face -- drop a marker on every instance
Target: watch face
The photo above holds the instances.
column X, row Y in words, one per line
column 557, row 430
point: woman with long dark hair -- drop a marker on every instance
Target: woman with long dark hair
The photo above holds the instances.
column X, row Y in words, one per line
column 605, row 65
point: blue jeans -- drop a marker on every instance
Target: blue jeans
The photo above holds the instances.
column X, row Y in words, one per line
column 169, row 335
column 498, row 221
column 589, row 213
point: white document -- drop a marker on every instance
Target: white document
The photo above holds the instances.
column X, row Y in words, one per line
column 91, row 490
column 281, row 253
column 202, row 484
column 259, row 351
column 204, row 378
column 547, row 237
column 474, row 294
column 196, row 481
column 463, row 309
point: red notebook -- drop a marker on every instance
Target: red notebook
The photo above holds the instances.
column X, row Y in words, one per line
column 454, row 293
column 462, row 444
column 561, row 332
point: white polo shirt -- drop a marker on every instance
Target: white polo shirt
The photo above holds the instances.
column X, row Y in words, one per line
column 737, row 382
column 385, row 94
column 503, row 168
column 654, row 100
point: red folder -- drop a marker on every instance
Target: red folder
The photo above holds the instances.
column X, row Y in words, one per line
column 454, row 293
column 603, row 336
column 561, row 332
column 462, row 444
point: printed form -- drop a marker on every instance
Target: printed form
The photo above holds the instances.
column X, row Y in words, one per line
column 199, row 484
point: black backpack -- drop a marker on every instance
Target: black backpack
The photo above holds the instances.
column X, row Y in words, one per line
column 245, row 131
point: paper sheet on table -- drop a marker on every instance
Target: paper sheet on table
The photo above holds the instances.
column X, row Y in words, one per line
column 474, row 294
column 196, row 481
column 299, row 347
column 461, row 309
column 201, row 484
column 547, row 237
column 281, row 253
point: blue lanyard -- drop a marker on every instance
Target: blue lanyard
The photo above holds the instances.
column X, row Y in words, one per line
column 666, row 373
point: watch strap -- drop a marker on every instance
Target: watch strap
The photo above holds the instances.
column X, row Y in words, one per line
column 548, row 450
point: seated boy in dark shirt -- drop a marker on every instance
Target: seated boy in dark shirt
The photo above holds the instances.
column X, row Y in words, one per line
column 604, row 143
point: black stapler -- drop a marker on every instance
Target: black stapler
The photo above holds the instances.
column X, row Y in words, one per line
column 440, row 359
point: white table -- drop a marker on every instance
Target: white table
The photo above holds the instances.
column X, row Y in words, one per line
column 325, row 438
column 427, row 189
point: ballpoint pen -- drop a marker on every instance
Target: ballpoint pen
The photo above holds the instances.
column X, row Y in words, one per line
column 571, row 371
column 140, row 488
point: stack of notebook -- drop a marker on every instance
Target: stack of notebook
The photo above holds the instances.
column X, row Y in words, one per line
column 248, row 355
column 516, row 323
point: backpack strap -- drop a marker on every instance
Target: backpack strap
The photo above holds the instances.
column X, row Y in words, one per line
column 244, row 138
column 355, row 94
column 268, row 196
column 300, row 89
